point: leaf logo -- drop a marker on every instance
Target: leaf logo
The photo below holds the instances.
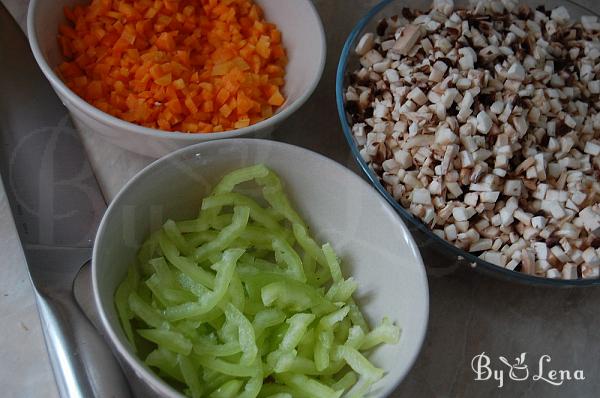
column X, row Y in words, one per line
column 519, row 371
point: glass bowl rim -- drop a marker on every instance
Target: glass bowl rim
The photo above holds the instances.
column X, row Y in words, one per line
column 404, row 213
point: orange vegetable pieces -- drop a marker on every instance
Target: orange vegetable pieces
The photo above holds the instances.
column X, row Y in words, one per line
column 196, row 66
column 276, row 99
column 244, row 104
column 263, row 47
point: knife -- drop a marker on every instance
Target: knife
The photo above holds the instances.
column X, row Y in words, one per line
column 56, row 205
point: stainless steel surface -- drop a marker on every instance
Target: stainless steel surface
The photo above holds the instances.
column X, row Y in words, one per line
column 83, row 294
column 56, row 204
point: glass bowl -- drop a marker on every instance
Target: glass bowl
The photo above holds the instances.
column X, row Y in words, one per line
column 441, row 256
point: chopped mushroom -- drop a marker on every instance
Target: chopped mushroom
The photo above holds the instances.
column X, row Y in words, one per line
column 485, row 124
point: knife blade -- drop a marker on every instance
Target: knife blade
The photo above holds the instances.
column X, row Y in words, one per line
column 56, row 205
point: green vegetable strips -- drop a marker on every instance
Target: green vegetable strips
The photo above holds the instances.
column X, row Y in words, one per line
column 242, row 302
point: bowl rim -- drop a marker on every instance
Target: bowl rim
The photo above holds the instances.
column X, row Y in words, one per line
column 156, row 382
column 405, row 214
column 91, row 111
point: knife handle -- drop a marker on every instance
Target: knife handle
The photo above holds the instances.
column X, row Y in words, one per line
column 83, row 364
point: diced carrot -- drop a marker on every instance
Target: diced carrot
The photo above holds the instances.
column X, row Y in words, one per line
column 278, row 52
column 188, row 65
column 99, row 33
column 119, row 86
column 165, row 42
column 80, row 81
column 69, row 70
column 241, row 123
column 274, row 70
column 259, row 27
column 277, row 81
column 114, row 14
column 164, row 80
column 163, row 124
column 188, row 10
column 183, row 56
column 94, row 90
column 127, row 10
column 208, row 106
column 179, row 84
column 133, row 54
column 271, row 90
column 174, row 106
column 189, row 103
column 101, row 70
column 244, row 104
column 225, row 110
column 275, row 36
column 276, row 99
column 156, row 71
column 222, row 96
column 263, row 46
column 151, row 13
column 189, row 127
column 221, row 69
column 266, row 111
column 204, row 127
column 171, row 5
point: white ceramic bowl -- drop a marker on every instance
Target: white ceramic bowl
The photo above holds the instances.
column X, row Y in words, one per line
column 303, row 37
column 340, row 207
